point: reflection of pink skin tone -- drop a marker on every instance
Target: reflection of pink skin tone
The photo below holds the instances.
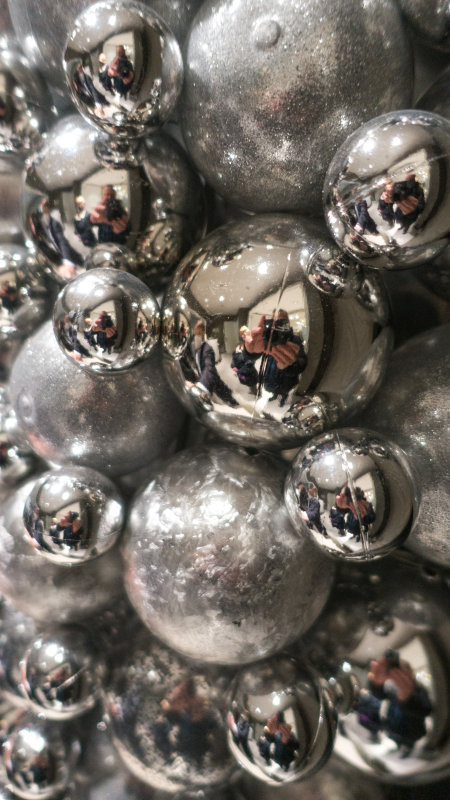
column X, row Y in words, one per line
column 66, row 271
column 284, row 354
column 402, row 676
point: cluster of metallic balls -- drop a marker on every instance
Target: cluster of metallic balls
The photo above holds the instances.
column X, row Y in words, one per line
column 200, row 201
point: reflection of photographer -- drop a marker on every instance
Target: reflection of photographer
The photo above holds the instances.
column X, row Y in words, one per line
column 410, row 200
column 111, row 218
column 285, row 357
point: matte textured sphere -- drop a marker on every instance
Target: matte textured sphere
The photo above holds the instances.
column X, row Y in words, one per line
column 153, row 204
column 42, row 28
column 112, row 423
column 106, row 320
column 387, row 190
column 123, row 67
column 411, row 409
column 214, row 568
column 271, row 334
column 397, row 729
column 430, row 19
column 24, row 293
column 25, row 102
column 73, row 514
column 281, row 724
column 61, row 674
column 267, row 97
column 46, row 591
column 353, row 493
column 163, row 712
column 36, row 759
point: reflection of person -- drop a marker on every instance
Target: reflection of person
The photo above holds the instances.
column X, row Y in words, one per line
column 121, row 72
column 313, row 512
column 243, row 363
column 110, row 216
column 386, row 204
column 285, row 357
column 208, row 378
column 9, row 296
column 71, row 528
column 410, row 200
column 285, row 742
column 86, row 91
column 363, row 512
column 364, row 221
column 392, row 679
column 54, row 233
column 105, row 330
column 82, row 223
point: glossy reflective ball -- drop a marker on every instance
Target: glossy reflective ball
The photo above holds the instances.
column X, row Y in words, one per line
column 165, row 711
column 24, row 103
column 113, row 423
column 131, row 87
column 110, row 255
column 152, row 205
column 106, row 320
column 51, row 592
column 73, row 515
column 274, row 100
column 353, row 493
column 17, row 459
column 36, row 759
column 24, row 292
column 410, row 409
column 387, row 192
column 61, row 674
column 281, row 723
column 43, row 29
column 209, row 570
column 271, row 334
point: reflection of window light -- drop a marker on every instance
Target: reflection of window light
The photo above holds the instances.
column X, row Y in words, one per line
column 221, row 298
column 328, row 459
column 396, row 141
column 346, row 667
column 33, row 739
column 112, row 20
column 241, row 299
column 276, row 700
column 262, row 269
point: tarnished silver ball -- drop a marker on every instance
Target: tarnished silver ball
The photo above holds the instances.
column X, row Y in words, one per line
column 24, row 293
column 106, row 320
column 36, row 759
column 353, row 493
column 123, row 67
column 387, row 191
column 61, row 674
column 153, row 205
column 275, row 101
column 270, row 334
column 47, row 591
column 411, row 409
column 213, row 566
column 43, row 29
column 113, row 423
column 24, row 102
column 281, row 722
column 168, row 718
column 73, row 514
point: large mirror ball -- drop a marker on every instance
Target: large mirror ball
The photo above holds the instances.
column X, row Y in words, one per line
column 263, row 343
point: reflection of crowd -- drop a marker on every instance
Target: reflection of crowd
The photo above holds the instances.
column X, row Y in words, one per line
column 103, row 332
column 277, row 741
column 115, row 78
column 348, row 516
column 394, row 703
column 185, row 723
column 71, row 529
column 111, row 218
column 399, row 205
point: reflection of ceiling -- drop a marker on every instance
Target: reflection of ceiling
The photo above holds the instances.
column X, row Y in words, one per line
column 243, row 281
column 329, row 471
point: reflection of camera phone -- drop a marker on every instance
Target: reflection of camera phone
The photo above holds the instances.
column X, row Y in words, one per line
column 392, row 661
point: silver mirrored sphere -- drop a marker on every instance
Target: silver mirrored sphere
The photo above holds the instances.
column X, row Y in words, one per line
column 411, row 409
column 261, row 344
column 17, row 459
column 24, row 293
column 73, row 515
column 42, row 29
column 106, row 319
column 281, row 723
column 168, row 719
column 123, row 67
column 24, row 102
column 48, row 591
column 112, row 423
column 61, row 674
column 274, row 100
column 213, row 566
column 154, row 205
column 387, row 191
column 36, row 759
column 111, row 255
column 11, row 177
column 353, row 493
column 397, row 727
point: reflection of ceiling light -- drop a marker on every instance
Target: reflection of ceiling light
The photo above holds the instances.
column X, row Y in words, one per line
column 396, row 141
column 276, row 700
column 346, row 667
column 221, row 298
column 262, row 269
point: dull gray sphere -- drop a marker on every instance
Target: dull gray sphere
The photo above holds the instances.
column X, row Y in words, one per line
column 213, row 566
column 115, row 424
column 275, row 101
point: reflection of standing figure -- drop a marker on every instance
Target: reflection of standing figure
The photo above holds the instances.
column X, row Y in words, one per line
column 86, row 91
column 82, row 223
column 9, row 297
column 313, row 512
column 208, row 378
column 242, row 734
column 364, row 221
column 386, row 204
column 121, row 72
column 53, row 231
column 410, row 200
column 111, row 218
column 103, row 76
column 105, row 331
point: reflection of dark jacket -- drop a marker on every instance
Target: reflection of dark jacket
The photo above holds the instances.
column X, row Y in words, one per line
column 313, row 510
column 405, row 721
column 58, row 239
column 244, row 363
column 363, row 218
column 208, row 372
column 83, row 228
column 86, row 91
